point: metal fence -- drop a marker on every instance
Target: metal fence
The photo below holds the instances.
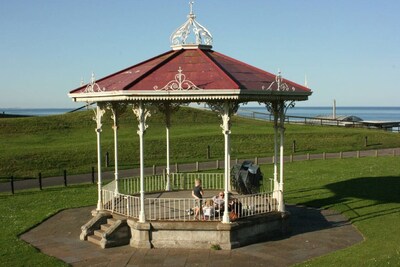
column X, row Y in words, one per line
column 180, row 209
column 178, row 181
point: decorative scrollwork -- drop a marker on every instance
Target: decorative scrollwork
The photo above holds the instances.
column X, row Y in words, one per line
column 202, row 35
column 167, row 108
column 281, row 86
column 93, row 87
column 116, row 110
column 142, row 113
column 279, row 109
column 98, row 114
column 225, row 110
column 179, row 84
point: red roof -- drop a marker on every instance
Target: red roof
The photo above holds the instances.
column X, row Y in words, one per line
column 206, row 69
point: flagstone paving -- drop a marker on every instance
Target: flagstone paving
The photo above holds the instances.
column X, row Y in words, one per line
column 314, row 233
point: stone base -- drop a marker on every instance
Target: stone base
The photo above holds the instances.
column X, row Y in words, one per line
column 202, row 235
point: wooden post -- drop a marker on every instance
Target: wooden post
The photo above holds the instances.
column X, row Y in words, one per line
column 176, row 168
column 217, row 164
column 366, row 141
column 65, row 177
column 358, row 154
column 291, row 157
column 308, row 156
column 154, row 169
column 208, row 152
column 107, row 159
column 92, row 175
column 376, row 153
column 40, row 181
column 197, row 166
column 294, row 146
column 256, row 161
column 12, row 184
column 340, row 154
column 324, row 156
column 236, row 161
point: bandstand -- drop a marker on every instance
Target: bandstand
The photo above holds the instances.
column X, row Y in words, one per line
column 128, row 210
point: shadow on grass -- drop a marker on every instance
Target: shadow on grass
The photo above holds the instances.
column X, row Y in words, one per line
column 381, row 190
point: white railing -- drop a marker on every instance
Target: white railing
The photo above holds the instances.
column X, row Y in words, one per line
column 131, row 185
column 178, row 181
column 184, row 209
column 120, row 203
column 251, row 205
column 185, row 181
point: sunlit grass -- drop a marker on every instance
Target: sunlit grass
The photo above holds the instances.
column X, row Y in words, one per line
column 366, row 190
column 53, row 143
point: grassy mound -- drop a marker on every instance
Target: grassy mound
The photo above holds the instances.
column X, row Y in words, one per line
column 53, row 143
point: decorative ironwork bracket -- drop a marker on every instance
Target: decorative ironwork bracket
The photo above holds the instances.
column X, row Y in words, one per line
column 225, row 110
column 202, row 35
column 179, row 84
column 281, row 86
column 98, row 114
column 116, row 110
column 93, row 87
column 142, row 113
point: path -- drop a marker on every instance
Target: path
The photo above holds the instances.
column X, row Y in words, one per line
column 188, row 167
column 314, row 233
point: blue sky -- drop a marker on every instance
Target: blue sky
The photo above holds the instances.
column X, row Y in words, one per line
column 349, row 50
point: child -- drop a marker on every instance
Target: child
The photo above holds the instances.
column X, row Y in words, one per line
column 197, row 193
column 208, row 209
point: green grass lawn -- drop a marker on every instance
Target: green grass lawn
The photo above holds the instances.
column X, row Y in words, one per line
column 53, row 143
column 366, row 190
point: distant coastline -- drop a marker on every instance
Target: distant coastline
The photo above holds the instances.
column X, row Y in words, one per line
column 366, row 113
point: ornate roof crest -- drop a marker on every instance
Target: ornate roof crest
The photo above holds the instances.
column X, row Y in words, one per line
column 93, row 87
column 179, row 84
column 280, row 85
column 201, row 35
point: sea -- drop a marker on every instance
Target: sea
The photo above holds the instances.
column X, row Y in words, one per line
column 365, row 113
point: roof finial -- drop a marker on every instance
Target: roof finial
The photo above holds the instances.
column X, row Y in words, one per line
column 191, row 3
column 202, row 37
column 305, row 81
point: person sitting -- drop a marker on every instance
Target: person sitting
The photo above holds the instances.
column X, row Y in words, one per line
column 219, row 202
column 208, row 209
column 235, row 209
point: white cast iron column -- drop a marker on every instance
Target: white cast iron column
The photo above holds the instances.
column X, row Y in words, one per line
column 99, row 112
column 167, row 125
column 226, row 131
column 276, row 118
column 141, row 114
column 281, row 206
column 116, row 110
column 272, row 107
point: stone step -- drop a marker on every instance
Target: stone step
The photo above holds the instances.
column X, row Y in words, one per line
column 99, row 233
column 94, row 239
column 111, row 221
column 105, row 227
column 119, row 217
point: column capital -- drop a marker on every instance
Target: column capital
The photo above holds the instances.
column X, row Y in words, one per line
column 142, row 113
column 116, row 110
column 98, row 114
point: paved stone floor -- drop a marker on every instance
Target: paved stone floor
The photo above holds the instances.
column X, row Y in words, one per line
column 314, row 233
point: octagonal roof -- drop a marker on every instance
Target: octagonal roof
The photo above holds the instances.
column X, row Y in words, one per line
column 191, row 71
